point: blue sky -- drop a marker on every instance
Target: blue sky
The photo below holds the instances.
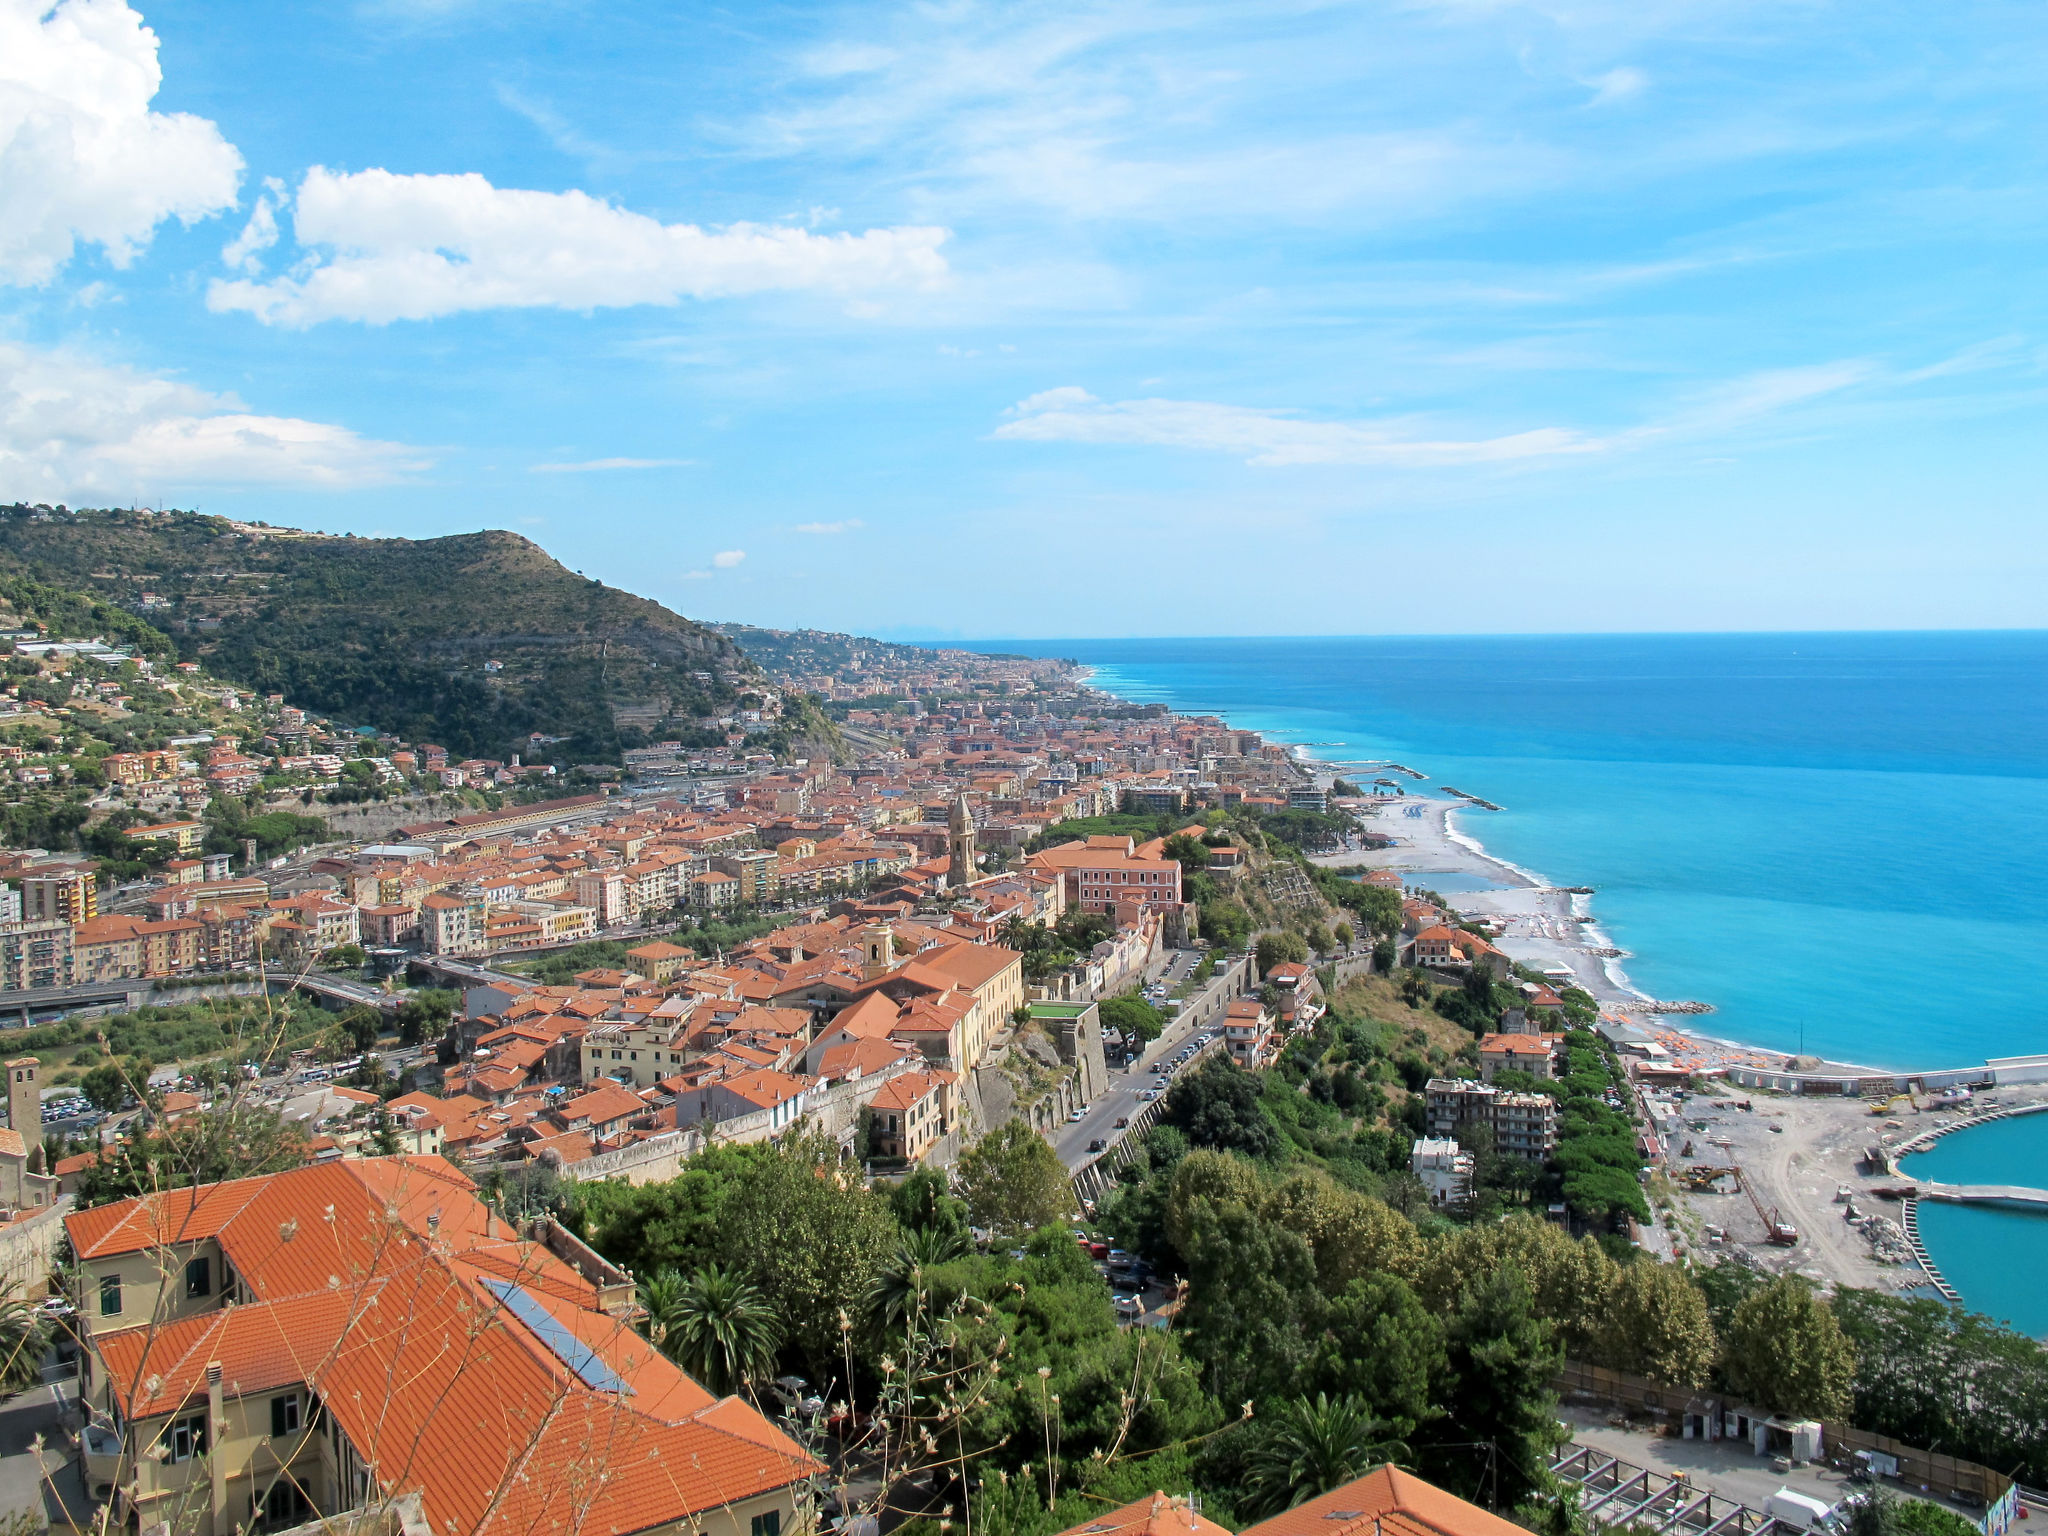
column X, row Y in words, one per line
column 1152, row 318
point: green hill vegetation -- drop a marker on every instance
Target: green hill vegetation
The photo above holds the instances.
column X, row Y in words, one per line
column 476, row 642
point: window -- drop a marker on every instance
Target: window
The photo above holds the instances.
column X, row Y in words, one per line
column 769, row 1524
column 285, row 1415
column 110, row 1295
column 187, row 1437
column 286, row 1505
column 199, row 1277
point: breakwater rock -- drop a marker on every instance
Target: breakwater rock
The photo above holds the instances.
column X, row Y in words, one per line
column 1471, row 799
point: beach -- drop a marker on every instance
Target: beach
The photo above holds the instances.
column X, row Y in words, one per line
column 1541, row 925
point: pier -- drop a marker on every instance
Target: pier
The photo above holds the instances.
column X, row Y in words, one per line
column 1987, row 1194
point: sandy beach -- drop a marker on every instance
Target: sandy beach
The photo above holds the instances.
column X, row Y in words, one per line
column 1541, row 925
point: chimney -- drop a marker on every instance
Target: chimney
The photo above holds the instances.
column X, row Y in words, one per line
column 216, row 1431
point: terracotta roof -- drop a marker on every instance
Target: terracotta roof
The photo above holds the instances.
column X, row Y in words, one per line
column 1388, row 1502
column 910, row 1088
column 1153, row 1515
column 441, row 1374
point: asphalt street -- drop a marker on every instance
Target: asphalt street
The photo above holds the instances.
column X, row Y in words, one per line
column 1124, row 1096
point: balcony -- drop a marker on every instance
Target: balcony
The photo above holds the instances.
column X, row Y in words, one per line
column 100, row 1459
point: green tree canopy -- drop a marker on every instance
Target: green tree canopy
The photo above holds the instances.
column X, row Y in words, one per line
column 1786, row 1351
column 1278, row 949
column 1656, row 1325
column 1217, row 1105
column 1309, row 1446
column 1500, row 1423
column 811, row 1235
column 1014, row 1181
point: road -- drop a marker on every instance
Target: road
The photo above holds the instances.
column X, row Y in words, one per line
column 1123, row 1098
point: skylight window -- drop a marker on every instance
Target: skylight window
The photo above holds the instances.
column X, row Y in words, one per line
column 563, row 1344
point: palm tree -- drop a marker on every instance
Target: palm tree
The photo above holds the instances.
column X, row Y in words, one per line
column 24, row 1339
column 1309, row 1447
column 902, row 1279
column 718, row 1327
column 660, row 1296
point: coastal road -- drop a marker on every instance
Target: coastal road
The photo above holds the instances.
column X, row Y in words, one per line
column 1123, row 1098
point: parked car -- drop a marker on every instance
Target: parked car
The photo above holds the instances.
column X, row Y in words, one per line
column 1097, row 1144
column 1122, row 1121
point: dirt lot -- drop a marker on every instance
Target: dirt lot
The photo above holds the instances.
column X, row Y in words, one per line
column 1797, row 1153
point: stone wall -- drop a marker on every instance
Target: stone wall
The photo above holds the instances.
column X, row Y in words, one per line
column 29, row 1248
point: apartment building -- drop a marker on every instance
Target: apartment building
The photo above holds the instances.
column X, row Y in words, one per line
column 37, row 953
column 912, row 1113
column 1533, row 1054
column 1523, row 1124
column 67, row 893
column 1445, row 1169
column 452, row 924
column 335, row 1339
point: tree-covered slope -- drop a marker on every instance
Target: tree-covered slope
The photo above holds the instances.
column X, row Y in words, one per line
column 399, row 633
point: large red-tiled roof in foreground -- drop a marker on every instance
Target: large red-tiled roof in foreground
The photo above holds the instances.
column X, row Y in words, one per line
column 1388, row 1502
column 423, row 1322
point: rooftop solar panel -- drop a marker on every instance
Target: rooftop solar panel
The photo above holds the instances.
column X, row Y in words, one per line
column 564, row 1345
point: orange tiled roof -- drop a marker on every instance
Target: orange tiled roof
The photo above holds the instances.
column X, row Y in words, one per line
column 396, row 1324
column 1388, row 1502
column 1153, row 1515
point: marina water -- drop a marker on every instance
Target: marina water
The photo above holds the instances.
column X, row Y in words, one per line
column 1834, row 839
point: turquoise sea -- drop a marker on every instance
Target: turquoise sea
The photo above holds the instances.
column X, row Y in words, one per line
column 1835, row 839
column 1974, row 1244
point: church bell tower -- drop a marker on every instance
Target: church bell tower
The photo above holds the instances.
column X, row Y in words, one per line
column 960, row 838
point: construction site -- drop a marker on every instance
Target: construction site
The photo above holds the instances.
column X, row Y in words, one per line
column 1803, row 1184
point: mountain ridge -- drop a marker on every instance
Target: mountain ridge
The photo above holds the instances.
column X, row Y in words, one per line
column 480, row 642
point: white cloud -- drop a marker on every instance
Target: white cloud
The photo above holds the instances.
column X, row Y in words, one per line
column 1621, row 84
column 844, row 525
column 82, row 157
column 589, row 466
column 257, row 236
column 70, row 425
column 1266, row 437
column 388, row 247
column 1269, row 437
column 726, row 559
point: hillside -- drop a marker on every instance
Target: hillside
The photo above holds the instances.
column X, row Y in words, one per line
column 475, row 641
column 797, row 652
